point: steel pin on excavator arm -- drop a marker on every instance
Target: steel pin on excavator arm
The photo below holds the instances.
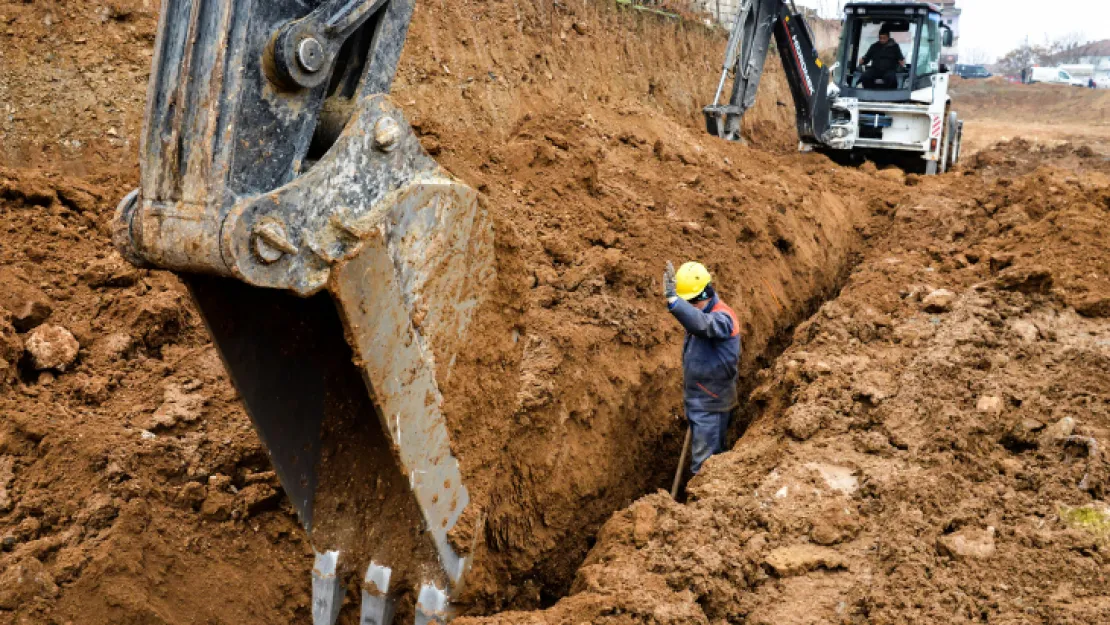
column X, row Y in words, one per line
column 336, row 265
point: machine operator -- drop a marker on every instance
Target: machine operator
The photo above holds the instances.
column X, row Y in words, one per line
column 884, row 58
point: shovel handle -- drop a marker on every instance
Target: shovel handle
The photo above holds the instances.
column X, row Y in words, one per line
column 681, row 463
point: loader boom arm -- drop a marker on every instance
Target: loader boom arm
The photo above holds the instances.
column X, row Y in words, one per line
column 748, row 45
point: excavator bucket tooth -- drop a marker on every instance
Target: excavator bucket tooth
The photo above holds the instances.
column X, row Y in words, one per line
column 336, row 266
column 327, row 589
column 377, row 604
column 431, row 606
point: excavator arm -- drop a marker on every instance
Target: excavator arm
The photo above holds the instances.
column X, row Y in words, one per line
column 337, row 267
column 748, row 45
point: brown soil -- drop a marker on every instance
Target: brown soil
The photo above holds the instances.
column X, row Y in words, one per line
column 133, row 489
column 581, row 128
column 921, row 452
column 1050, row 114
column 1051, row 104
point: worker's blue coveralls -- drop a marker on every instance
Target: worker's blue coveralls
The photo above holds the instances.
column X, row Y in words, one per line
column 710, row 368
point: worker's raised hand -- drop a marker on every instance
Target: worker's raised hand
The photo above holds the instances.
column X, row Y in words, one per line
column 670, row 283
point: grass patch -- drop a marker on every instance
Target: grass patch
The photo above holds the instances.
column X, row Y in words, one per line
column 1095, row 520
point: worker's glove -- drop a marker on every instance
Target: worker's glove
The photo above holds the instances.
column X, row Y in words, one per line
column 670, row 283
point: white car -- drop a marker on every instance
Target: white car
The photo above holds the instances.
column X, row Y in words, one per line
column 1056, row 76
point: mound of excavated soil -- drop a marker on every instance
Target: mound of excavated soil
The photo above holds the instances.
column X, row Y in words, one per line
column 132, row 488
column 931, row 447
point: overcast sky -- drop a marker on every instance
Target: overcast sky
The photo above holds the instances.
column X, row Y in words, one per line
column 998, row 26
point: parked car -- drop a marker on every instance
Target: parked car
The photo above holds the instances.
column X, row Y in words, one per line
column 972, row 71
column 1056, row 76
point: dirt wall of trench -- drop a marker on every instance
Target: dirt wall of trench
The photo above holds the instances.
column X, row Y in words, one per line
column 931, row 446
column 132, row 488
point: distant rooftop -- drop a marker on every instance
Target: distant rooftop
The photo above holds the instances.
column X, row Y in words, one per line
column 1095, row 48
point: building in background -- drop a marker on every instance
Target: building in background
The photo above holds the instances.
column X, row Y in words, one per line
column 1097, row 55
column 950, row 15
column 723, row 10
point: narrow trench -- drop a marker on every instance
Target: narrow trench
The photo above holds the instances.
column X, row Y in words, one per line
column 742, row 417
column 780, row 341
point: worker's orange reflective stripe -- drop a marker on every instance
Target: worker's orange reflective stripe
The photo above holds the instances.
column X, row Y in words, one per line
column 725, row 308
column 715, row 396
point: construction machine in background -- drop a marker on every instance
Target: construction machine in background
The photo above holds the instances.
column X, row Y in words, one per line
column 337, row 267
column 910, row 122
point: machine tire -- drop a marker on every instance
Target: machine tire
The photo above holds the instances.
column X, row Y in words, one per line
column 947, row 143
column 951, row 127
column 958, row 146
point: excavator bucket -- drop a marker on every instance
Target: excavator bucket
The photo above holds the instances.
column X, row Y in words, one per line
column 337, row 268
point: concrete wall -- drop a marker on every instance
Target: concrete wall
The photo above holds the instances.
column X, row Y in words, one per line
column 723, row 10
column 826, row 33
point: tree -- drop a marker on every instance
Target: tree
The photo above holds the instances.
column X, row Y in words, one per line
column 1021, row 58
column 1066, row 49
column 975, row 56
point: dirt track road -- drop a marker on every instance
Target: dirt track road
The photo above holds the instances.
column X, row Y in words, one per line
column 983, row 132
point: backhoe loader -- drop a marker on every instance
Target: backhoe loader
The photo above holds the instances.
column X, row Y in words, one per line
column 839, row 110
column 336, row 266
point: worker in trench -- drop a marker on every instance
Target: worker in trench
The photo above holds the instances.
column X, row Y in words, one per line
column 710, row 357
column 884, row 58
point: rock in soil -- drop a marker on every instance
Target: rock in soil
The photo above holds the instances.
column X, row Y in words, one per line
column 51, row 347
column 968, row 544
column 7, row 476
column 28, row 305
column 11, row 349
column 179, row 405
column 801, row 559
column 1023, row 435
column 1058, row 431
column 1096, row 306
column 990, row 404
column 939, row 301
column 25, row 582
column 1033, row 279
column 111, row 271
column 114, row 346
column 804, row 420
column 836, row 524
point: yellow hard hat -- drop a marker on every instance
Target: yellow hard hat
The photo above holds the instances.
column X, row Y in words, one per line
column 691, row 279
